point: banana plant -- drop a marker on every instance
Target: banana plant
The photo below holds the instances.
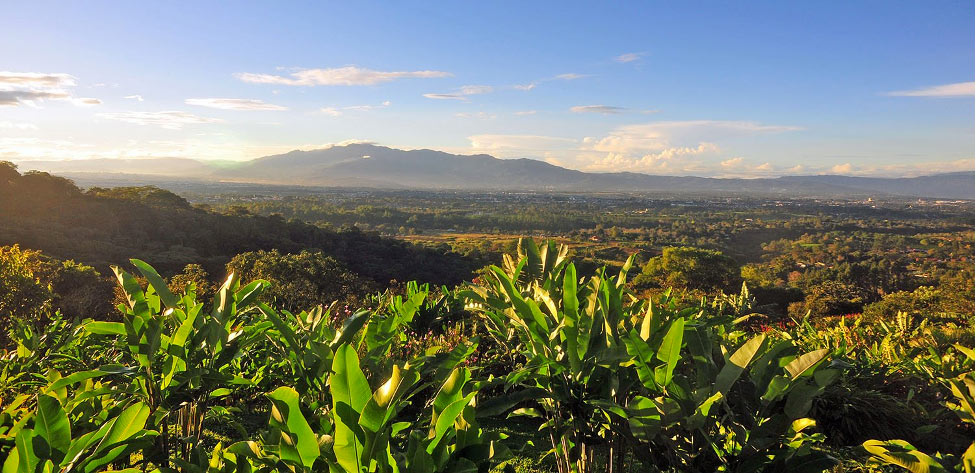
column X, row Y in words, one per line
column 567, row 334
column 306, row 343
column 73, row 425
column 901, row 454
column 366, row 432
column 185, row 358
column 706, row 404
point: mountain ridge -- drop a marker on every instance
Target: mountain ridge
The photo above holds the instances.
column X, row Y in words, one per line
column 375, row 166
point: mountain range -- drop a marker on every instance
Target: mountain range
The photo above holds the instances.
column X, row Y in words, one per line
column 374, row 166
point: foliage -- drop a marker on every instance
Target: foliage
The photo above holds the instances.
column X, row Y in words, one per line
column 32, row 285
column 905, row 456
column 689, row 267
column 300, row 280
column 611, row 372
column 245, row 382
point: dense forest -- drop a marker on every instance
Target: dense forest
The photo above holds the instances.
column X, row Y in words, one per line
column 416, row 331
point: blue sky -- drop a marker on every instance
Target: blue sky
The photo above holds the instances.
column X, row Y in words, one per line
column 687, row 88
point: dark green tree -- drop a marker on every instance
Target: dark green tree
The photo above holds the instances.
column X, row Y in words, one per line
column 689, row 268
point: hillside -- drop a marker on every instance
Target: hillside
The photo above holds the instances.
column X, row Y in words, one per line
column 103, row 227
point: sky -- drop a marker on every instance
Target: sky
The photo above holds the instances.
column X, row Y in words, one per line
column 731, row 89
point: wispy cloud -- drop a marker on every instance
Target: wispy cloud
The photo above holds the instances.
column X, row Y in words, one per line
column 570, row 76
column 85, row 101
column 17, row 125
column 462, row 93
column 342, row 76
column 135, row 97
column 35, row 79
column 29, row 88
column 234, row 104
column 525, row 112
column 28, row 97
column 363, row 108
column 628, row 57
column 959, row 89
column 476, row 115
column 169, row 119
column 337, row 111
column 525, row 87
column 597, row 109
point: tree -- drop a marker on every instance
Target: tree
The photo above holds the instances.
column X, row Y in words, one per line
column 193, row 274
column 689, row 268
column 831, row 298
column 302, row 280
column 32, row 285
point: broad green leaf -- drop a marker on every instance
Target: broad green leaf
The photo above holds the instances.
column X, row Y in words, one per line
column 697, row 420
column 447, row 420
column 451, row 389
column 22, row 457
column 121, row 428
column 902, row 454
column 798, row 366
column 376, row 412
column 51, row 423
column 737, row 363
column 350, row 393
column 669, row 351
column 299, row 443
column 105, row 327
column 352, row 325
column 157, row 282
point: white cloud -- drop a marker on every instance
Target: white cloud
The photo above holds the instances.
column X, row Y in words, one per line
column 907, row 169
column 35, row 79
column 657, row 136
column 462, row 93
column 525, row 112
column 669, row 160
column 505, row 146
column 30, row 88
column 732, row 162
column 476, row 115
column 364, row 108
column 570, row 76
column 85, row 101
column 475, row 90
column 17, row 125
column 959, row 89
column 687, row 147
column 337, row 111
column 342, row 76
column 628, row 57
column 846, row 168
column 597, row 109
column 135, row 97
column 170, row 119
column 445, row 96
column 29, row 97
column 234, row 104
column 525, row 87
